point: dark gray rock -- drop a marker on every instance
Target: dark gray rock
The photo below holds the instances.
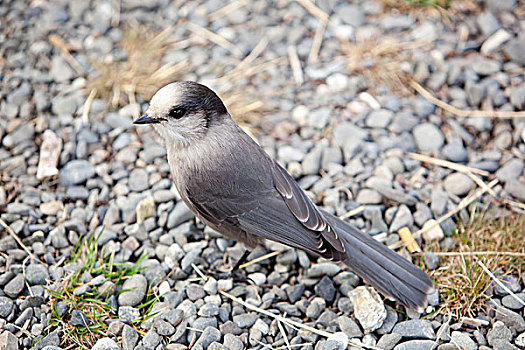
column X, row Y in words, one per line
column 36, row 274
column 388, row 341
column 325, row 289
column 79, row 319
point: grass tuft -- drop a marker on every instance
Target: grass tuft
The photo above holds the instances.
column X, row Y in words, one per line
column 498, row 242
column 140, row 71
column 94, row 305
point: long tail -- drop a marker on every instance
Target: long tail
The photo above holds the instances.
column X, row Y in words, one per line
column 381, row 267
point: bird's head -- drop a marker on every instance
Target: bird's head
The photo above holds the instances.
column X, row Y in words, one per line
column 183, row 111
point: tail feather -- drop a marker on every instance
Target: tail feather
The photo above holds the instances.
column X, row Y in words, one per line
column 384, row 269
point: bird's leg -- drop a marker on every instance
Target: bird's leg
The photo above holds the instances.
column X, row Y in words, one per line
column 241, row 261
column 233, row 272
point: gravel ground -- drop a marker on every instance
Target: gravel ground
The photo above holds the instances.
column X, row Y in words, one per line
column 343, row 135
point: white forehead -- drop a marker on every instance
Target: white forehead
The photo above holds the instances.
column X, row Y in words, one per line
column 165, row 98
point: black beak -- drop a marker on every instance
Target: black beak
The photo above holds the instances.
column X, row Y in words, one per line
column 147, row 120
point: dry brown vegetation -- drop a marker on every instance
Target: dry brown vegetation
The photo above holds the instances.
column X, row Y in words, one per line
column 141, row 72
column 497, row 242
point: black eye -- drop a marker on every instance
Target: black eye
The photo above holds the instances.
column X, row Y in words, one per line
column 177, row 113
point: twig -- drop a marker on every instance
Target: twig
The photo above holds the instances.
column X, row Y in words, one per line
column 283, row 333
column 244, row 73
column 463, row 204
column 480, row 263
column 314, row 10
column 215, row 38
column 291, row 322
column 261, row 258
column 461, row 112
column 257, row 50
column 234, row 5
column 60, row 44
column 316, row 45
column 447, row 164
column 19, row 241
column 87, row 106
column 458, row 167
column 479, row 253
column 199, row 272
column 295, row 64
column 352, row 212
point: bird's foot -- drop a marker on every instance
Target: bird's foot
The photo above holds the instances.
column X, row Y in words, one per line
column 235, row 275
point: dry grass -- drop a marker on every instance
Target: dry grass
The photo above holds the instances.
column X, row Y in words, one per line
column 379, row 60
column 431, row 8
column 141, row 73
column 497, row 242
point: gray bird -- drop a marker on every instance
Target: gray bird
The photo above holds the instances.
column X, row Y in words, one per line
column 233, row 186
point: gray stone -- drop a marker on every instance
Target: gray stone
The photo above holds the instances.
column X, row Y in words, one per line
column 106, row 344
column 232, row 342
column 510, row 282
column 431, row 260
column 475, row 93
column 15, row 286
column 135, row 288
column 76, row 172
column 178, row 215
column 423, row 108
column 509, row 301
column 151, row 340
column 416, row 345
column 339, row 341
column 379, row 119
column 517, row 96
column 130, row 338
column 8, row 341
column 415, row 329
column 515, row 49
column 18, row 209
column 128, row 314
column 463, row 340
column 368, row 196
column 349, row 327
column 388, row 341
column 455, row 152
column 58, row 237
column 511, row 319
column 511, row 170
column 36, row 274
column 6, row 306
column 458, row 184
column 138, row 180
column 77, row 192
column 51, row 339
column 516, row 189
column 245, row 320
column 428, row 137
column 79, row 319
column 351, row 14
column 163, row 328
column 498, row 331
column 369, row 309
column 484, row 66
column 403, row 218
column 210, row 335
column 325, row 289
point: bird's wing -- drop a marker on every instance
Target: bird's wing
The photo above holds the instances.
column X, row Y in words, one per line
column 263, row 200
column 304, row 210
